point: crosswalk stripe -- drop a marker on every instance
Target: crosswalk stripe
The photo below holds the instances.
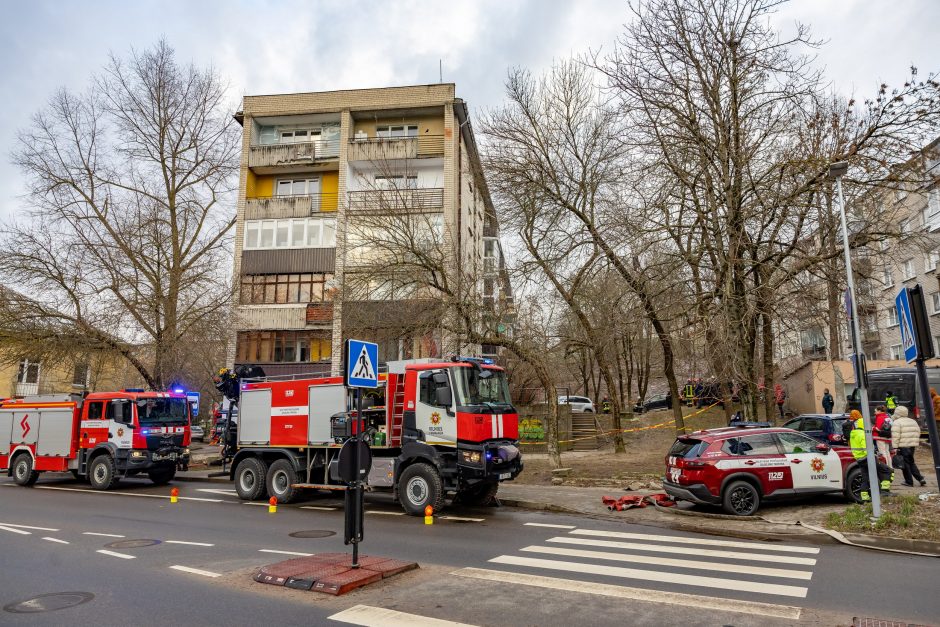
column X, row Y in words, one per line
column 635, row 594
column 652, row 575
column 379, row 616
column 325, row 509
column 15, row 530
column 5, row 524
column 760, row 546
column 681, row 550
column 549, row 525
column 677, row 563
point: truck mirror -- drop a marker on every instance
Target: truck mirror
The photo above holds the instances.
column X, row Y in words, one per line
column 121, row 409
column 440, row 378
column 443, row 397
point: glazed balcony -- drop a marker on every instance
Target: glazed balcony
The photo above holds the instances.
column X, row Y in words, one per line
column 385, row 148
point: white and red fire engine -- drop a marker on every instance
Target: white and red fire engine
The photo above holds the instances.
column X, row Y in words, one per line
column 437, row 429
column 103, row 436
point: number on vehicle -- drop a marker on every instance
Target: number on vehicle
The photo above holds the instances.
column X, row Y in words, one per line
column 775, row 476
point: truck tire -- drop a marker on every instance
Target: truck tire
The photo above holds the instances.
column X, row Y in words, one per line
column 23, row 473
column 741, row 498
column 249, row 479
column 280, row 480
column 481, row 494
column 419, row 486
column 162, row 475
column 102, row 475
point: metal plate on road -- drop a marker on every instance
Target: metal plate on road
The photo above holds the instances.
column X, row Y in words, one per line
column 132, row 544
column 313, row 533
column 48, row 602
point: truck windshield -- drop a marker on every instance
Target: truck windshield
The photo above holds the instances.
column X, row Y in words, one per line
column 152, row 411
column 474, row 387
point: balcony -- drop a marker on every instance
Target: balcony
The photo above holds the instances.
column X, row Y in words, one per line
column 300, row 206
column 384, row 148
column 303, row 154
column 388, row 199
column 27, row 389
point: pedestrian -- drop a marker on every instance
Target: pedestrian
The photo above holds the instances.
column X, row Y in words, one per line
column 905, row 437
column 827, row 402
column 860, row 453
column 881, row 434
column 779, row 397
column 891, row 402
column 605, row 405
column 936, row 406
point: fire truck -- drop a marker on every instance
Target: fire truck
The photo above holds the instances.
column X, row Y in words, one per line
column 101, row 437
column 437, row 428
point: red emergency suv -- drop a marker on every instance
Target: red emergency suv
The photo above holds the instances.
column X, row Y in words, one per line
column 739, row 468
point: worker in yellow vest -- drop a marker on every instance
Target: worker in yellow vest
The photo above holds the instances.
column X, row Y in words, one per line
column 891, row 402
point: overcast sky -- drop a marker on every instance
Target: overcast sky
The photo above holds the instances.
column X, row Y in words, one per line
column 314, row 45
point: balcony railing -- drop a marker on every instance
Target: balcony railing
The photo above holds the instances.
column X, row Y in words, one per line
column 383, row 199
column 292, row 154
column 261, row 207
column 382, row 148
column 27, row 389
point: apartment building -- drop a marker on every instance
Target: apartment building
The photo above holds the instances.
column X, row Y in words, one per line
column 312, row 166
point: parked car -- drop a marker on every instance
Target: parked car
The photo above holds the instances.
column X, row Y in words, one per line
column 197, row 433
column 826, row 428
column 740, row 468
column 658, row 401
column 902, row 382
column 578, row 403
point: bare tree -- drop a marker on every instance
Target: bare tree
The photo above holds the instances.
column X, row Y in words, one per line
column 124, row 246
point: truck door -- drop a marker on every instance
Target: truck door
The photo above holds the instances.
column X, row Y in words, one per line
column 434, row 415
column 94, row 425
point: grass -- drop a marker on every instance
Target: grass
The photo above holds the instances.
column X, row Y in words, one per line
column 901, row 517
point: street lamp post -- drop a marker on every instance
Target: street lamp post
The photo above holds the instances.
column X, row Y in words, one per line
column 836, row 172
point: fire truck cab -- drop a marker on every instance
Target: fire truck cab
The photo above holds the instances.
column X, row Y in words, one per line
column 437, row 429
column 102, row 437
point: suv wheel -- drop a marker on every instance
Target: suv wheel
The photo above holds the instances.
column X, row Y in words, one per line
column 853, row 485
column 741, row 498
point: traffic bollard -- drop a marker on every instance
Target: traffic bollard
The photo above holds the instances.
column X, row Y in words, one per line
column 272, row 505
column 428, row 515
column 174, row 495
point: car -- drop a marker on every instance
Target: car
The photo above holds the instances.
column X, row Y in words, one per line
column 658, row 401
column 739, row 469
column 826, row 428
column 198, row 433
column 578, row 403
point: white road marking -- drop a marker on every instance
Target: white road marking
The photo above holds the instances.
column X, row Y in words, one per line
column 103, row 535
column 149, row 496
column 652, row 575
column 28, row 527
column 378, row 511
column 760, row 546
column 381, row 617
column 55, row 540
column 550, row 526
column 187, row 543
column 260, row 504
column 325, row 509
column 196, row 498
column 195, row 571
column 677, row 563
column 218, row 491
column 14, row 530
column 284, row 552
column 634, row 594
column 124, row 556
column 682, row 550
column 461, row 518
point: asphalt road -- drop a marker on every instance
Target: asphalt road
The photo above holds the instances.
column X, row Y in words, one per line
column 490, row 566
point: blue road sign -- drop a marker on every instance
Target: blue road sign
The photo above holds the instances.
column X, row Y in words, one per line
column 193, row 398
column 908, row 338
column 362, row 361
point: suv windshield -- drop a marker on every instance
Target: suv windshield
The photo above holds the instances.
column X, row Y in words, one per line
column 475, row 387
column 152, row 411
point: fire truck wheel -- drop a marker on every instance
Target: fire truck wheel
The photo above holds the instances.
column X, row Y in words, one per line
column 249, row 479
column 102, row 474
column 418, row 487
column 23, row 473
column 162, row 476
column 280, row 481
column 481, row 494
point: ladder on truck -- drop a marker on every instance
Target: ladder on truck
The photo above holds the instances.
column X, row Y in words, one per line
column 398, row 411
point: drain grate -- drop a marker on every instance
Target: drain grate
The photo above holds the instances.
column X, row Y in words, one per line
column 49, row 602
column 313, row 533
column 867, row 621
column 131, row 544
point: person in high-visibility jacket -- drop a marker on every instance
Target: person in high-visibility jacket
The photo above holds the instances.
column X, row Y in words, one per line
column 891, row 402
column 860, row 453
column 689, row 393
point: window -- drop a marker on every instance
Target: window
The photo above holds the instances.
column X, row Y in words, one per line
column 893, row 317
column 762, row 444
column 298, row 136
column 298, row 187
column 401, row 130
column 931, row 260
column 936, row 341
column 896, row 351
column 95, row 411
column 887, row 278
column 935, row 299
column 813, row 424
column 796, row 443
column 290, row 233
column 793, row 424
column 280, row 289
column 907, row 267
column 904, row 227
column 428, row 388
column 489, row 254
column 80, row 375
column 932, row 212
column 396, row 182
column 28, row 371
column 283, row 346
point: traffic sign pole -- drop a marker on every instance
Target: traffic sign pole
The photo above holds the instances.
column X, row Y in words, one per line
column 917, row 326
column 357, row 485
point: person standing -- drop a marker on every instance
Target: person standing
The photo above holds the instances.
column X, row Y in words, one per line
column 827, row 402
column 881, row 434
column 779, row 397
column 891, row 402
column 905, row 437
column 605, row 405
column 859, row 452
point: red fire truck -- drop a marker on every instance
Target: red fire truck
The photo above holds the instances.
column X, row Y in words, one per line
column 437, row 429
column 103, row 437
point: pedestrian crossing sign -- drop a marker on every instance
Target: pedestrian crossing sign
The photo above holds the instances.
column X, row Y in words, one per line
column 906, row 321
column 362, row 361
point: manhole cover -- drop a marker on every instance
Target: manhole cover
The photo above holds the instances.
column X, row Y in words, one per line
column 131, row 544
column 49, row 602
column 313, row 533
